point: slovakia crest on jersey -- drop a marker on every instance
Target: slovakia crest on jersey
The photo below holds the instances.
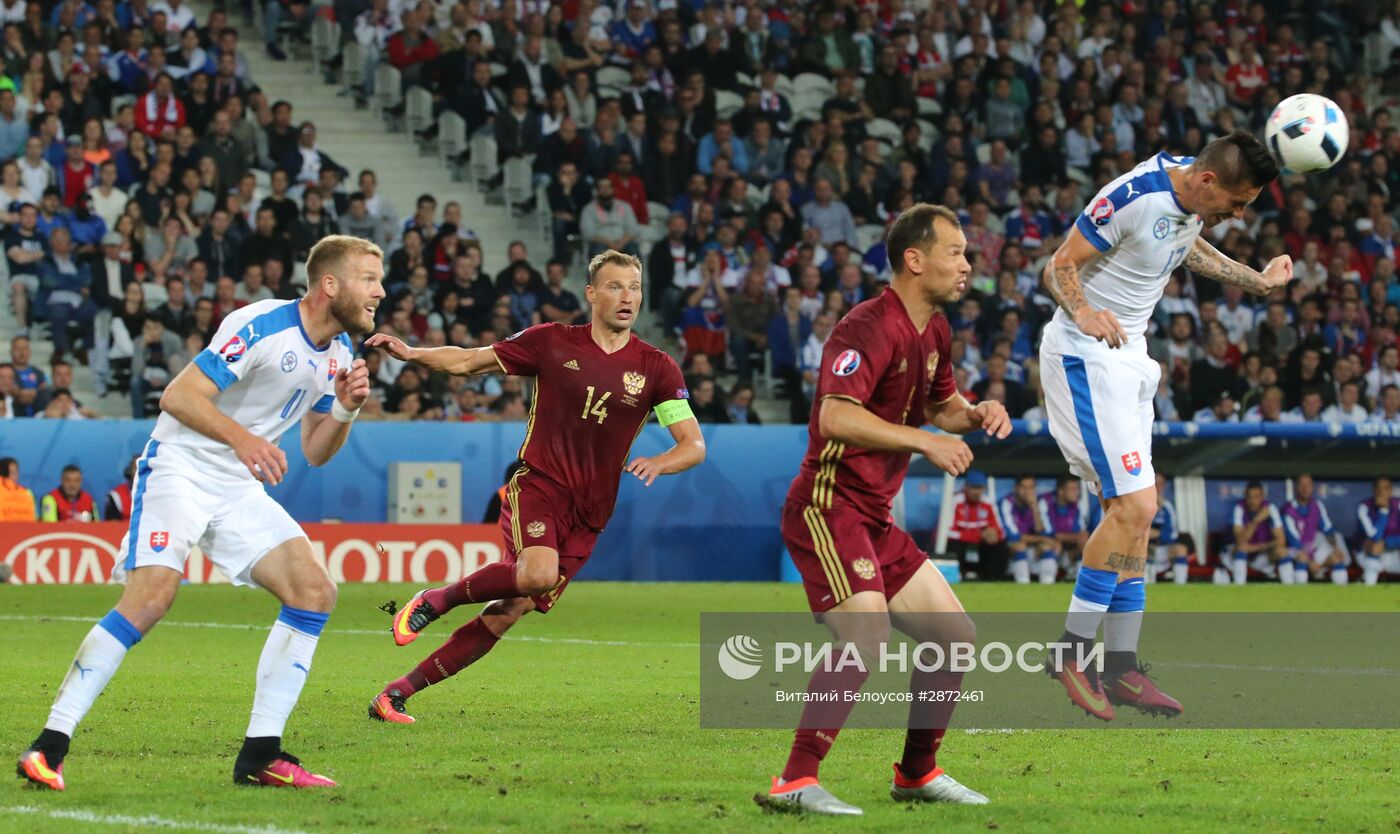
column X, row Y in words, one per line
column 1101, row 212
column 1132, row 462
column 1161, row 227
column 847, row 363
column 159, row 539
column 330, row 368
column 233, row 349
column 289, row 362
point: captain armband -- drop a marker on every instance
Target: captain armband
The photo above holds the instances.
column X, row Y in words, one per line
column 673, row 411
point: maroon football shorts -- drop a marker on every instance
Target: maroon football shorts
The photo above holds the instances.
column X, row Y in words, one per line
column 538, row 512
column 841, row 552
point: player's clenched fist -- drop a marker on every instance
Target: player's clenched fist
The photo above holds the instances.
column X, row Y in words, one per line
column 1102, row 325
column 352, row 385
column 395, row 346
column 1278, row 272
column 267, row 462
column 949, row 454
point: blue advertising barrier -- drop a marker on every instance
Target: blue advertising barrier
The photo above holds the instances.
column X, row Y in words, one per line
column 716, row 522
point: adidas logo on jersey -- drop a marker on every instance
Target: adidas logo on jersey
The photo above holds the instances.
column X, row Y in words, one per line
column 572, row 364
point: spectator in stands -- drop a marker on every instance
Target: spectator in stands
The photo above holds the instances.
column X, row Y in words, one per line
column 160, row 112
column 119, row 503
column 410, row 49
column 16, row 502
column 568, row 198
column 1348, row 408
column 68, row 501
column 275, row 14
column 558, row 304
column 1309, row 408
column 608, row 223
column 1388, row 410
column 1258, row 533
column 740, row 409
column 1222, row 410
column 704, row 404
column 25, row 248
column 1387, row 369
column 829, row 215
column 266, row 243
column 9, row 389
column 67, row 280
column 14, row 129
column 748, row 316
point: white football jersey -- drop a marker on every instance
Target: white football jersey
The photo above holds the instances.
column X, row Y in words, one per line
column 269, row 375
column 1143, row 233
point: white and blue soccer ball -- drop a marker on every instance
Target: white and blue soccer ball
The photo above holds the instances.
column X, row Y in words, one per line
column 1307, row 132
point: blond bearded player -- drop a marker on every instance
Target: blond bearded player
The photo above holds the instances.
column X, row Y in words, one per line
column 596, row 386
column 200, row 480
column 885, row 372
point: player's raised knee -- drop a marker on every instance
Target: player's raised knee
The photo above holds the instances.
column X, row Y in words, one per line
column 532, row 578
column 1135, row 510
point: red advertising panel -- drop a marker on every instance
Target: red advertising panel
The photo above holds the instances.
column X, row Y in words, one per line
column 75, row 553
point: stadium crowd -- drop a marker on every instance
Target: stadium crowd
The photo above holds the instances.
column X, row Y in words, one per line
column 750, row 153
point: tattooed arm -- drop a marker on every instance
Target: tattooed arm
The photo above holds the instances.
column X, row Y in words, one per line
column 1208, row 261
column 1062, row 279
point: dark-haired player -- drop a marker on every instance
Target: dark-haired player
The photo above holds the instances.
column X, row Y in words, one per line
column 885, row 372
column 1099, row 381
column 595, row 388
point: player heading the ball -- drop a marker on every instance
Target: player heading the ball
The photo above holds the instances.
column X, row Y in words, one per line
column 1099, row 380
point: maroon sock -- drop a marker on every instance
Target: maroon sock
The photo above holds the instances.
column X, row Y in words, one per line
column 495, row 581
column 810, row 744
column 466, row 646
column 928, row 721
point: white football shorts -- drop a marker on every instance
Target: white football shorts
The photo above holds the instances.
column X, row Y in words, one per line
column 180, row 500
column 1099, row 403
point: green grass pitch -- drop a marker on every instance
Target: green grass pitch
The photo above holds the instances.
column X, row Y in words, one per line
column 550, row 735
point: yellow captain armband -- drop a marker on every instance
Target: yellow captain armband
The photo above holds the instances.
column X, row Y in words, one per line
column 673, row 411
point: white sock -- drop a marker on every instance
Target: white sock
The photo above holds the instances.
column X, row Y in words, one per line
column 1049, row 566
column 1241, row 570
column 99, row 655
column 1123, row 623
column 283, row 669
column 1371, row 567
column 1180, row 571
column 1340, row 575
column 1021, row 570
column 1093, row 592
column 1300, row 573
column 1285, row 571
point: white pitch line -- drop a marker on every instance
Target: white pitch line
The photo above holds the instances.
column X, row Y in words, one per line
column 368, row 632
column 352, row 631
column 142, row 822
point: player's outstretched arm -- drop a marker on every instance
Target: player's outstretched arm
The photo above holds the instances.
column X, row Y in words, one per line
column 1210, row 262
column 851, row 423
column 322, row 435
column 189, row 398
column 688, row 452
column 451, row 360
column 1062, row 280
column 958, row 416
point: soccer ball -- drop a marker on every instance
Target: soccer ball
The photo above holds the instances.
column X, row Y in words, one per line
column 1307, row 132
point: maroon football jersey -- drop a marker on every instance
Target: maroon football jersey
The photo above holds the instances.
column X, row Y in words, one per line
column 875, row 358
column 589, row 406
